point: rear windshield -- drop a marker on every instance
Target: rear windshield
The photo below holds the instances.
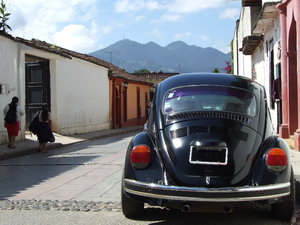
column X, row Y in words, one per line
column 209, row 98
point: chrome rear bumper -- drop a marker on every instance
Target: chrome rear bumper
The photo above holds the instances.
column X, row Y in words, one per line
column 230, row 194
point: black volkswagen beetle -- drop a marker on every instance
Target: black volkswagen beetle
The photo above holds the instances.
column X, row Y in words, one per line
column 208, row 144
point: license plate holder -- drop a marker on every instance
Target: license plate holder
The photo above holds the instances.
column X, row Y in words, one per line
column 208, row 155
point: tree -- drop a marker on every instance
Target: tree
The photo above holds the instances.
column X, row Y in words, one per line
column 216, row 70
column 142, row 71
column 3, row 17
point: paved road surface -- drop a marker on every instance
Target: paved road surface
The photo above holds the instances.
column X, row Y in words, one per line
column 151, row 217
column 88, row 171
column 51, row 188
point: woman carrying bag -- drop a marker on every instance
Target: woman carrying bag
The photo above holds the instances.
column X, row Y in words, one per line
column 44, row 131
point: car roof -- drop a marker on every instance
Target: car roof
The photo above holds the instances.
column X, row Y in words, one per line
column 219, row 79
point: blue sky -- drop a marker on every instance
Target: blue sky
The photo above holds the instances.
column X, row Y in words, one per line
column 89, row 25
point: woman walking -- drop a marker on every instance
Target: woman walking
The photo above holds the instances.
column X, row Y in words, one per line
column 12, row 115
column 44, row 131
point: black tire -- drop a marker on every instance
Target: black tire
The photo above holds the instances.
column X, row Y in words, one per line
column 285, row 208
column 130, row 207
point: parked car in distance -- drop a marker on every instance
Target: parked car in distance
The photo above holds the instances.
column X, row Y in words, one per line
column 208, row 144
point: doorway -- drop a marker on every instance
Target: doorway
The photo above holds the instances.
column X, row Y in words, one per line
column 37, row 75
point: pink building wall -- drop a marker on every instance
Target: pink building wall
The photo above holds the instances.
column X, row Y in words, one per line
column 290, row 64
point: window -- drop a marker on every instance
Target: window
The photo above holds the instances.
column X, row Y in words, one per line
column 209, row 98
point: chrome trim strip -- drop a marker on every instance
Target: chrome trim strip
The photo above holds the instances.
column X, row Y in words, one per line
column 210, row 190
column 179, row 189
column 181, row 198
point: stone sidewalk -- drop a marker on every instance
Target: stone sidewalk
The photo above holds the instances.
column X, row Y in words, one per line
column 30, row 145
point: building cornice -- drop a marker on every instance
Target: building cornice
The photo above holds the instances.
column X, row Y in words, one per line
column 266, row 17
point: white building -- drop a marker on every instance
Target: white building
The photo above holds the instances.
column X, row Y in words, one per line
column 257, row 49
column 75, row 86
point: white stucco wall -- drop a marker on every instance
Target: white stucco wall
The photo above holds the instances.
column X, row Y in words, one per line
column 244, row 29
column 261, row 61
column 235, row 51
column 79, row 89
column 263, row 53
column 10, row 74
column 79, row 96
column 258, row 64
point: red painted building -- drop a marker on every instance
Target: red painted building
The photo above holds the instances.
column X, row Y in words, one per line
column 290, row 64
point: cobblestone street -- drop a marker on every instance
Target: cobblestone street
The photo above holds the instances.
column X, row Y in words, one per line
column 84, row 206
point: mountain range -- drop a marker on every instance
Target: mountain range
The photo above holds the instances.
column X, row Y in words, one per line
column 175, row 57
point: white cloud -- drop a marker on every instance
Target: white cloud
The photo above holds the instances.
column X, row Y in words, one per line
column 204, row 37
column 48, row 21
column 124, row 6
column 182, row 35
column 168, row 18
column 80, row 24
column 136, row 5
column 153, row 5
column 105, row 29
column 178, row 6
column 75, row 37
column 221, row 45
column 80, row 38
column 157, row 33
column 192, row 38
column 230, row 13
column 139, row 18
column 190, row 6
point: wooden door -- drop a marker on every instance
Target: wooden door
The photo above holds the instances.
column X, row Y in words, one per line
column 37, row 87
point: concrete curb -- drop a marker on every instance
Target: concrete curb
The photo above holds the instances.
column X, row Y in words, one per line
column 26, row 151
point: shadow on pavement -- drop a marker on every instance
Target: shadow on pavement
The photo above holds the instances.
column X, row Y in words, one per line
column 22, row 173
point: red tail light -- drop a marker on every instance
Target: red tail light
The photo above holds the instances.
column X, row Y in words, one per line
column 277, row 159
column 140, row 156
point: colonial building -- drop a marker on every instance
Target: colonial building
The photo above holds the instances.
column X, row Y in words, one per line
column 267, row 49
column 257, row 50
column 76, row 87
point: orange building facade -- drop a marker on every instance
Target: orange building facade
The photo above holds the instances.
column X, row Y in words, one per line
column 129, row 101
